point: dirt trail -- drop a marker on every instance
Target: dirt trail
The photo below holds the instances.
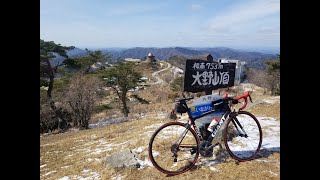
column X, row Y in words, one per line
column 156, row 75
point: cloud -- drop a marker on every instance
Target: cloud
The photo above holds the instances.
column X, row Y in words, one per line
column 133, row 10
column 268, row 30
column 244, row 13
column 196, row 7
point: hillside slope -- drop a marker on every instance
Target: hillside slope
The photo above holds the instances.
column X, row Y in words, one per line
column 81, row 154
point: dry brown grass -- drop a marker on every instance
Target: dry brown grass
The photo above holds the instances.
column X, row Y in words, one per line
column 70, row 153
column 158, row 95
column 146, row 69
column 263, row 109
column 266, row 110
column 74, row 149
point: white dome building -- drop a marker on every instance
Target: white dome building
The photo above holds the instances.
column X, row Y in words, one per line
column 151, row 57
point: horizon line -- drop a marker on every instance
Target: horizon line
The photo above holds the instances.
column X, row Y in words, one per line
column 266, row 50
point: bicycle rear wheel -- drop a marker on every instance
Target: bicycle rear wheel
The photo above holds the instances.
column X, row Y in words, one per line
column 173, row 148
column 243, row 136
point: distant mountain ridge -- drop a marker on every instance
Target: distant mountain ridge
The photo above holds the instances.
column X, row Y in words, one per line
column 253, row 59
column 76, row 52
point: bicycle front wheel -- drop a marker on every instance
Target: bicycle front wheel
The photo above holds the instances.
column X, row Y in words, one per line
column 174, row 148
column 243, row 136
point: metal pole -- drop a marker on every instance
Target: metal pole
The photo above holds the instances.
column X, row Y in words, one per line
column 240, row 72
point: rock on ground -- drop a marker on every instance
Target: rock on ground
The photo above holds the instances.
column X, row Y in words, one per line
column 123, row 159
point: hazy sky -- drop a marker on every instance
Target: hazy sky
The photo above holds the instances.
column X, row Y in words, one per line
column 161, row 23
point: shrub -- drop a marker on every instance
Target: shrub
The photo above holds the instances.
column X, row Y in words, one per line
column 81, row 98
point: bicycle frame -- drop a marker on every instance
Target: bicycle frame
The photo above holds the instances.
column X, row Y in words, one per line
column 228, row 112
column 196, row 129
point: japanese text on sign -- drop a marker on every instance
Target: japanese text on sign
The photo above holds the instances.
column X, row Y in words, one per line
column 201, row 75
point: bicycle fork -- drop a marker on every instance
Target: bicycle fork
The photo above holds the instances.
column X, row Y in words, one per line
column 236, row 123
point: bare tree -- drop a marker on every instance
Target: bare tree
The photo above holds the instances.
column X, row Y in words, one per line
column 269, row 78
column 259, row 78
column 273, row 70
column 81, row 98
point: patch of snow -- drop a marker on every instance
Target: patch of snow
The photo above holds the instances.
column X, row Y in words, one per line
column 271, row 133
column 147, row 134
column 174, row 165
column 92, row 175
column 48, row 173
column 155, row 153
column 161, row 115
column 82, row 150
column 275, row 174
column 95, row 159
column 102, row 142
column 139, row 149
column 209, row 163
column 98, row 151
column 248, row 89
column 144, row 163
column 86, row 170
column 44, row 165
column 47, row 144
column 269, row 101
column 172, row 130
column 154, row 126
column 213, row 169
column 105, row 148
column 64, row 178
column 118, row 177
column 89, row 143
column 65, row 167
column 268, row 121
column 93, row 136
column 120, row 143
column 176, row 70
column 108, row 122
column 270, row 140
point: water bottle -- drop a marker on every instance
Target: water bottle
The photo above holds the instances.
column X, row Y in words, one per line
column 213, row 123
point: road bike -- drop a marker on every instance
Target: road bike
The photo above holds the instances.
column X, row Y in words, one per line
column 175, row 146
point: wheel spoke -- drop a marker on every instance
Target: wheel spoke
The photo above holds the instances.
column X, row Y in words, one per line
column 241, row 147
column 165, row 140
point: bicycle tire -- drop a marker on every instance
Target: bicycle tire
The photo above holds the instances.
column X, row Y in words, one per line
column 153, row 152
column 234, row 142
